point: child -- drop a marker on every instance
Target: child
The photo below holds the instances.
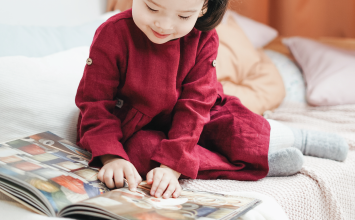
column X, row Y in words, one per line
column 150, row 105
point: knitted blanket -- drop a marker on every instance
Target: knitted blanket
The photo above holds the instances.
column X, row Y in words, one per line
column 324, row 189
column 338, row 119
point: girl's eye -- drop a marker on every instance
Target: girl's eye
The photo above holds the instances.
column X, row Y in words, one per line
column 184, row 18
column 151, row 9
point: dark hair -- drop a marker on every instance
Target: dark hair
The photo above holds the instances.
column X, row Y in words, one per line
column 213, row 16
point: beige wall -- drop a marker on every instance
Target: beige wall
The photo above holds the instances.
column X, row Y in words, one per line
column 311, row 18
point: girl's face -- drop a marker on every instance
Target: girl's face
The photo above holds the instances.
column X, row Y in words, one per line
column 165, row 20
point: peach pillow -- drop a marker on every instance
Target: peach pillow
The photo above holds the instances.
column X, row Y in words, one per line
column 258, row 33
column 246, row 72
column 329, row 72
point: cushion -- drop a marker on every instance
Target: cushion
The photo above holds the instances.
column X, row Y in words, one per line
column 245, row 72
column 259, row 34
column 33, row 41
column 291, row 75
column 328, row 71
column 277, row 46
column 344, row 43
column 37, row 94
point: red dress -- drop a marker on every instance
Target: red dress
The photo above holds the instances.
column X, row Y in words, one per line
column 155, row 104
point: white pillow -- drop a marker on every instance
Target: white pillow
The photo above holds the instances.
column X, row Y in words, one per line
column 39, row 41
column 38, row 94
column 329, row 71
column 259, row 34
column 109, row 14
column 291, row 75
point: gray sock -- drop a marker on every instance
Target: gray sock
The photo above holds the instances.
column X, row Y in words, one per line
column 320, row 144
column 285, row 162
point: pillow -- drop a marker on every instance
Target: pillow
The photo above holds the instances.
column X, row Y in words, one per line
column 246, row 72
column 278, row 46
column 33, row 41
column 329, row 72
column 259, row 34
column 340, row 42
column 37, row 94
column 109, row 14
column 291, row 76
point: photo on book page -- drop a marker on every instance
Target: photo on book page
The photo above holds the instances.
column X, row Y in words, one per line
column 55, row 167
column 125, row 204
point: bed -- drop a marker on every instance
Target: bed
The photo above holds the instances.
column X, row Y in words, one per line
column 323, row 189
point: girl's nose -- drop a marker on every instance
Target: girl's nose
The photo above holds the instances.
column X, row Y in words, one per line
column 164, row 25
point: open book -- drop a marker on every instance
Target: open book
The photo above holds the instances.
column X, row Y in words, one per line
column 51, row 176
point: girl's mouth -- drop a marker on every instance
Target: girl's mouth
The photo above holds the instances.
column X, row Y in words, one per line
column 161, row 36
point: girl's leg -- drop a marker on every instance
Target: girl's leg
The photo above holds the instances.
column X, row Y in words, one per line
column 141, row 146
column 320, row 144
column 239, row 135
column 244, row 137
column 310, row 143
column 284, row 160
column 288, row 144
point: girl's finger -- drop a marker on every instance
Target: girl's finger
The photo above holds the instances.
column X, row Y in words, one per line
column 171, row 188
column 137, row 177
column 177, row 192
column 100, row 175
column 162, row 186
column 150, row 176
column 108, row 179
column 118, row 177
column 156, row 181
column 128, row 173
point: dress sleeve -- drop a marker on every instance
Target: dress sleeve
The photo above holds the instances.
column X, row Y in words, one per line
column 99, row 130
column 191, row 113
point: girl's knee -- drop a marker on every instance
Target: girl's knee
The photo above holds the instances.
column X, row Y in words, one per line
column 140, row 148
column 144, row 142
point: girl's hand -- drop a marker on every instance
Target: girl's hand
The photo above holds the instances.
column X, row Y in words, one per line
column 164, row 180
column 115, row 169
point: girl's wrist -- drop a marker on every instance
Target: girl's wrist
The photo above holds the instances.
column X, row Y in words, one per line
column 108, row 157
column 176, row 174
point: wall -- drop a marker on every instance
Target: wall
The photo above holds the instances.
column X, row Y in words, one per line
column 50, row 12
column 308, row 18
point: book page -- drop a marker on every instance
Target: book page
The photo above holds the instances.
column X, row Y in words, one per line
column 54, row 166
column 18, row 200
column 126, row 204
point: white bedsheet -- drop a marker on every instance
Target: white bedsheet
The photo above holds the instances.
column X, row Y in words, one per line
column 13, row 211
column 269, row 209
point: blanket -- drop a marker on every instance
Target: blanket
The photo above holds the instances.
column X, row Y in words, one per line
column 324, row 188
column 338, row 119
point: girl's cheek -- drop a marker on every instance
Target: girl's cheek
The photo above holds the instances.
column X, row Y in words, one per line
column 186, row 28
column 148, row 19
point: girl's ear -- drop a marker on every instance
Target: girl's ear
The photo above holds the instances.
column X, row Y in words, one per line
column 202, row 12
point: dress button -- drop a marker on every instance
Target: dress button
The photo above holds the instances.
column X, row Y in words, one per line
column 214, row 63
column 89, row 61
